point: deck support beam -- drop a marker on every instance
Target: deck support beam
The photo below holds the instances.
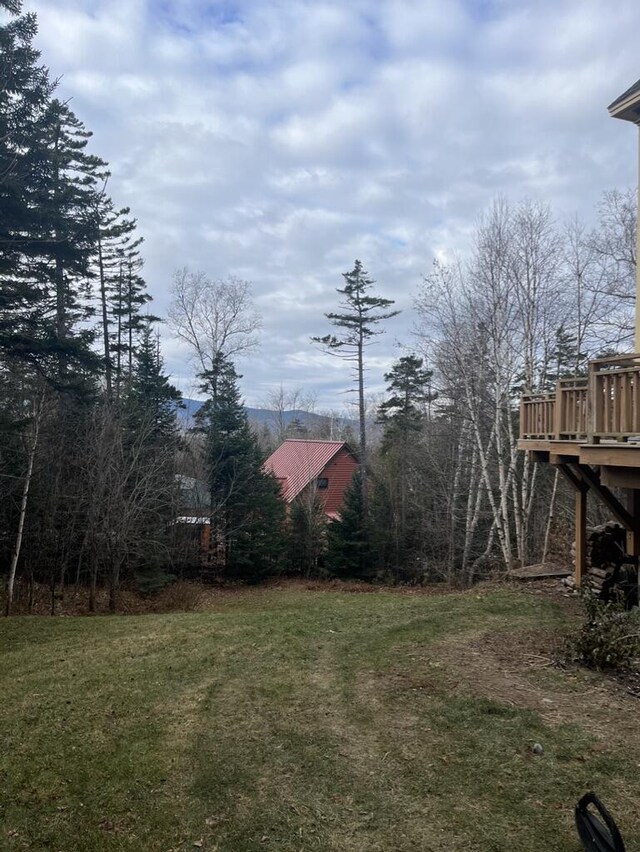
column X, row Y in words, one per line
column 581, row 490
column 576, row 482
column 583, row 479
column 592, row 480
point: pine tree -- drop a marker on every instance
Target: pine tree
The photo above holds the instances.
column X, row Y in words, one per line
column 403, row 415
column 349, row 550
column 42, row 276
column 566, row 356
column 360, row 314
column 152, row 439
column 307, row 534
column 150, row 396
column 246, row 512
column 25, row 91
column 47, row 183
column 132, row 297
column 66, row 197
column 410, row 390
column 114, row 231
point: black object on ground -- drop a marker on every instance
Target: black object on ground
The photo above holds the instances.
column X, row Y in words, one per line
column 597, row 832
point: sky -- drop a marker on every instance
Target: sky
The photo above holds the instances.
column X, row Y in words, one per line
column 279, row 140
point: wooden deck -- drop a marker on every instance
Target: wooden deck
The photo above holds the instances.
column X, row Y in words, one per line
column 594, row 418
column 589, row 429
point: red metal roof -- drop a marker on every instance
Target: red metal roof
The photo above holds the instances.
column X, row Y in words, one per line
column 297, row 462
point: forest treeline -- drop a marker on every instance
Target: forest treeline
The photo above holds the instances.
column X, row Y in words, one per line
column 87, row 417
column 94, row 462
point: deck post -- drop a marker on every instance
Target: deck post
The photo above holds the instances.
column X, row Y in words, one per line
column 581, row 536
column 593, row 414
column 633, row 535
column 581, row 489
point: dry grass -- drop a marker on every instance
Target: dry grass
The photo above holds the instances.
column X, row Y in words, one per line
column 294, row 719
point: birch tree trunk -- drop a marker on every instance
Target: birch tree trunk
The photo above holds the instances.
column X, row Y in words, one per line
column 453, row 504
column 37, row 416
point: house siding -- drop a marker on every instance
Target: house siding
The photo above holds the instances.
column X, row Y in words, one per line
column 339, row 473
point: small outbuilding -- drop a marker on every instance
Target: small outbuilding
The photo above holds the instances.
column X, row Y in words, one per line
column 302, row 466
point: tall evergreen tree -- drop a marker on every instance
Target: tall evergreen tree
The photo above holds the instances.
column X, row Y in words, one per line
column 246, row 512
column 568, row 360
column 92, row 494
column 25, row 91
column 114, row 231
column 132, row 297
column 358, row 319
column 409, row 391
column 403, row 414
column 151, row 396
column 66, row 197
column 349, row 554
column 151, row 440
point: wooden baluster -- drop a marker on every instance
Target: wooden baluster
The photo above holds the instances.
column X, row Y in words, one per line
column 592, row 406
column 571, row 406
column 619, row 391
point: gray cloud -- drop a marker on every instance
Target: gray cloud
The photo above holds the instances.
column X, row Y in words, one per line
column 277, row 140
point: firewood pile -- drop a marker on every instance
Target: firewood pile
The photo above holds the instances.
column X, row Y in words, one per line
column 606, row 545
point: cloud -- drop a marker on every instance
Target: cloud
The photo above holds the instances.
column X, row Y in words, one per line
column 278, row 140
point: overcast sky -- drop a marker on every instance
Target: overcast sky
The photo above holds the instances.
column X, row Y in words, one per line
column 278, row 140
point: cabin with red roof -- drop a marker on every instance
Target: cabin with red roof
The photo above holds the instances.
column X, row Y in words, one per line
column 327, row 466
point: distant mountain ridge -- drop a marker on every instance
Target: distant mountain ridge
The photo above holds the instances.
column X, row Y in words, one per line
column 265, row 416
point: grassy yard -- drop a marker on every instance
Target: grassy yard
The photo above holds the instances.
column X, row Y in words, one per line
column 288, row 719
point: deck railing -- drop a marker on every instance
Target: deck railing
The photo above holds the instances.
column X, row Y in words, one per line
column 606, row 404
column 614, row 393
column 537, row 415
column 571, row 409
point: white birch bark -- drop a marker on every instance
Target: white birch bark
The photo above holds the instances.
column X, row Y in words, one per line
column 37, row 417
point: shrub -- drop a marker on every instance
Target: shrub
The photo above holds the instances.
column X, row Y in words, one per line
column 610, row 635
column 179, row 597
column 151, row 579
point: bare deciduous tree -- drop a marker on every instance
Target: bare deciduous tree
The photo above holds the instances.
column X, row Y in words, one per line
column 614, row 243
column 496, row 321
column 213, row 317
column 130, row 498
column 281, row 402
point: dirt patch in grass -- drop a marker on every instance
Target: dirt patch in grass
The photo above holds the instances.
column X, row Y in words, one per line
column 520, row 670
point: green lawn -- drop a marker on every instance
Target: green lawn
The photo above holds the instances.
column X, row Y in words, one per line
column 288, row 719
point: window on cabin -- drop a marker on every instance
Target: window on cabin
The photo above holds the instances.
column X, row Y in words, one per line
column 323, row 483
